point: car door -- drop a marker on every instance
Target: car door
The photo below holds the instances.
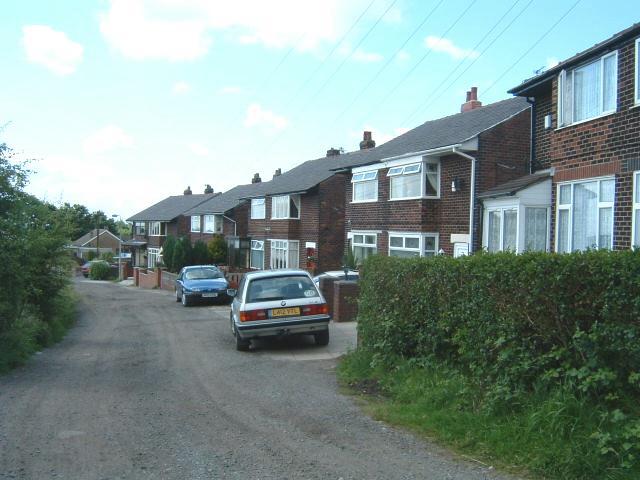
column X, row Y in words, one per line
column 179, row 280
column 237, row 300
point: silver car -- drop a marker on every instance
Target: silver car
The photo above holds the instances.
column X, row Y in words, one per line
column 272, row 303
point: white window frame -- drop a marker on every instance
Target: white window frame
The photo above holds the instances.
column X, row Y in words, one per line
column 398, row 170
column 258, row 246
column 523, row 241
column 636, row 91
column 635, row 242
column 420, row 249
column 212, row 224
column 284, row 254
column 258, row 208
column 195, row 223
column 139, row 228
column 155, row 229
column 362, row 179
column 367, row 245
column 287, row 211
column 502, row 209
column 569, row 207
column 567, row 75
column 153, row 255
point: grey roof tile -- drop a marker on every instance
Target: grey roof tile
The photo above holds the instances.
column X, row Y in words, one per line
column 229, row 199
column 512, row 186
column 171, row 207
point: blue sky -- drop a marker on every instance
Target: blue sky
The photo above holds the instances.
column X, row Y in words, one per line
column 124, row 102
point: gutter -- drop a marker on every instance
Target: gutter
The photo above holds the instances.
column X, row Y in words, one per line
column 472, row 194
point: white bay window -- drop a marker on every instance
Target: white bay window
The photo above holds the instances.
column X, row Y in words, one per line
column 416, row 180
column 502, row 229
column 365, row 186
column 284, row 254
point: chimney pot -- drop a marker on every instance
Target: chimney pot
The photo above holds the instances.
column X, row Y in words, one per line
column 472, row 101
column 277, row 173
column 332, row 152
column 208, row 189
column 367, row 142
column 468, row 95
column 256, row 178
column 474, row 93
column 188, row 191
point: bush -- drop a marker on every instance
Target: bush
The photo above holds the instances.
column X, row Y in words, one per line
column 100, row 271
column 218, row 250
column 168, row 247
column 200, row 253
column 182, row 254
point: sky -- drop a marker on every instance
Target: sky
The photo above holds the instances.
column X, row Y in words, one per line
column 118, row 104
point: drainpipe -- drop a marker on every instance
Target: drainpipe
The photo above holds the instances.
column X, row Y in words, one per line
column 235, row 225
column 532, row 137
column 472, row 194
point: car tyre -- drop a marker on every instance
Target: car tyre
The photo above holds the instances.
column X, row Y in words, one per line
column 322, row 338
column 178, row 298
column 242, row 344
column 185, row 300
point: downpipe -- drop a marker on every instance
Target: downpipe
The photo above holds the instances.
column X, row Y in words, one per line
column 472, row 195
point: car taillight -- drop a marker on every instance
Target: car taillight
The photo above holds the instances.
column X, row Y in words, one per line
column 253, row 315
column 322, row 309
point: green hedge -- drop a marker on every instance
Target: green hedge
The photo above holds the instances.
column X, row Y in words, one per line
column 512, row 323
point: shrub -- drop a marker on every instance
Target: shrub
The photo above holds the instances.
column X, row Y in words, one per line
column 99, row 271
column 218, row 249
column 182, row 253
column 200, row 254
column 168, row 247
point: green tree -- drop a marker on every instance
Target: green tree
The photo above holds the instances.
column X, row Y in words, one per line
column 201, row 253
column 218, row 249
column 182, row 253
column 168, row 248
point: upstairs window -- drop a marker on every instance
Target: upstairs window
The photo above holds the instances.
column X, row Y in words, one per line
column 140, row 228
column 195, row 223
column 588, row 91
column 365, row 186
column 157, row 229
column 285, row 207
column 212, row 224
column 405, row 181
column 257, row 209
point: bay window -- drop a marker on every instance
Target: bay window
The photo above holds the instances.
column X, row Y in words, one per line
column 585, row 215
column 636, row 210
column 285, row 207
column 195, row 223
column 502, row 229
column 363, row 245
column 588, row 91
column 257, row 254
column 405, row 181
column 284, row 254
column 365, row 186
column 535, row 229
column 257, row 208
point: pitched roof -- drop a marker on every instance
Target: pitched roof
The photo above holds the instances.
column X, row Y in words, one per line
column 87, row 237
column 599, row 48
column 513, row 186
column 451, row 130
column 171, row 207
column 230, row 199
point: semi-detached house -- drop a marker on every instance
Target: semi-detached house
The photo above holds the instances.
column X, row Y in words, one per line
column 586, row 114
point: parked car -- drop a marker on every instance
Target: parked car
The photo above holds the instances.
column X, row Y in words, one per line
column 272, row 303
column 201, row 282
column 337, row 274
column 86, row 267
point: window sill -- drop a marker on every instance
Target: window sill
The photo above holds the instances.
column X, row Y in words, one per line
column 602, row 115
column 257, row 218
column 285, row 218
column 364, row 201
column 412, row 198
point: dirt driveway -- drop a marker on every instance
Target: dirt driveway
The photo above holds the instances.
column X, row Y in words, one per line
column 145, row 388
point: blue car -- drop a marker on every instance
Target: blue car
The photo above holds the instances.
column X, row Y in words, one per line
column 201, row 282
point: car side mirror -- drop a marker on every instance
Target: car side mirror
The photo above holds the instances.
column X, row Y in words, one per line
column 232, row 292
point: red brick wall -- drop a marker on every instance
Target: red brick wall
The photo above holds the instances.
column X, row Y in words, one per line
column 602, row 146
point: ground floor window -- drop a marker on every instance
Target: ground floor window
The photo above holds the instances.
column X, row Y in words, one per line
column 585, row 215
column 409, row 245
column 285, row 254
column 636, row 210
column 257, row 254
column 502, row 229
column 153, row 256
column 535, row 229
column 363, row 245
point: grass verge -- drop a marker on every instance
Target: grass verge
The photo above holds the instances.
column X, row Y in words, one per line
column 29, row 333
column 551, row 435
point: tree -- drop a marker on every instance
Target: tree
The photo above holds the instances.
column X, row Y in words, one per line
column 168, row 247
column 201, row 253
column 182, row 253
column 218, row 249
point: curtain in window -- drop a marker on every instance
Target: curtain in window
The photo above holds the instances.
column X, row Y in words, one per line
column 563, row 231
column 493, row 244
column 292, row 260
column 609, row 83
column 509, row 238
column 605, row 239
column 585, row 216
column 405, row 186
column 586, row 81
column 535, row 229
column 431, row 188
column 637, row 228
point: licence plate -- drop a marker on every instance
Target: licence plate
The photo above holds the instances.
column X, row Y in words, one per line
column 285, row 312
column 209, row 295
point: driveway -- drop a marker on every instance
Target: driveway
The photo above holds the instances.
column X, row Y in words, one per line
column 144, row 388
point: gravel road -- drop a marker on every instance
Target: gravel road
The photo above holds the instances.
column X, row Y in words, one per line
column 144, row 388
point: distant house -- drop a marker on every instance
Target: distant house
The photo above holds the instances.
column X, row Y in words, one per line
column 167, row 217
column 586, row 114
column 97, row 240
column 418, row 194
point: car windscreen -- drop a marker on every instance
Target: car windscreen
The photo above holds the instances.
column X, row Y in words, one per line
column 203, row 274
column 280, row 288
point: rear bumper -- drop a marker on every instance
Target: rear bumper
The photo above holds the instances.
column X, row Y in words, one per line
column 265, row 328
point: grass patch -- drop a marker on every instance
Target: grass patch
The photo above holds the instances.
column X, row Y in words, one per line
column 29, row 334
column 554, row 435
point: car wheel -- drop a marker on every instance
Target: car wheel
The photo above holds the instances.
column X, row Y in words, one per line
column 177, row 296
column 185, row 300
column 242, row 344
column 322, row 338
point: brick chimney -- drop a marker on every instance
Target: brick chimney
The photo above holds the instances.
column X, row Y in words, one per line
column 188, row 191
column 472, row 101
column 208, row 189
column 332, row 152
column 256, row 178
column 277, row 173
column 367, row 142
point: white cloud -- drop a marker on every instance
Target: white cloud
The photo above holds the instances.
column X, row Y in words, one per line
column 258, row 117
column 403, row 56
column 366, row 57
column 198, row 149
column 231, row 90
column 444, row 45
column 106, row 139
column 51, row 48
column 180, row 88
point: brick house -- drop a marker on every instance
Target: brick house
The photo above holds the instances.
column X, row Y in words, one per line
column 586, row 113
column 417, row 194
column 152, row 225
column 97, row 240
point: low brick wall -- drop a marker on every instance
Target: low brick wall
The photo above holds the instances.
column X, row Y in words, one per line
column 147, row 278
column 345, row 300
column 168, row 281
column 327, row 290
column 234, row 278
